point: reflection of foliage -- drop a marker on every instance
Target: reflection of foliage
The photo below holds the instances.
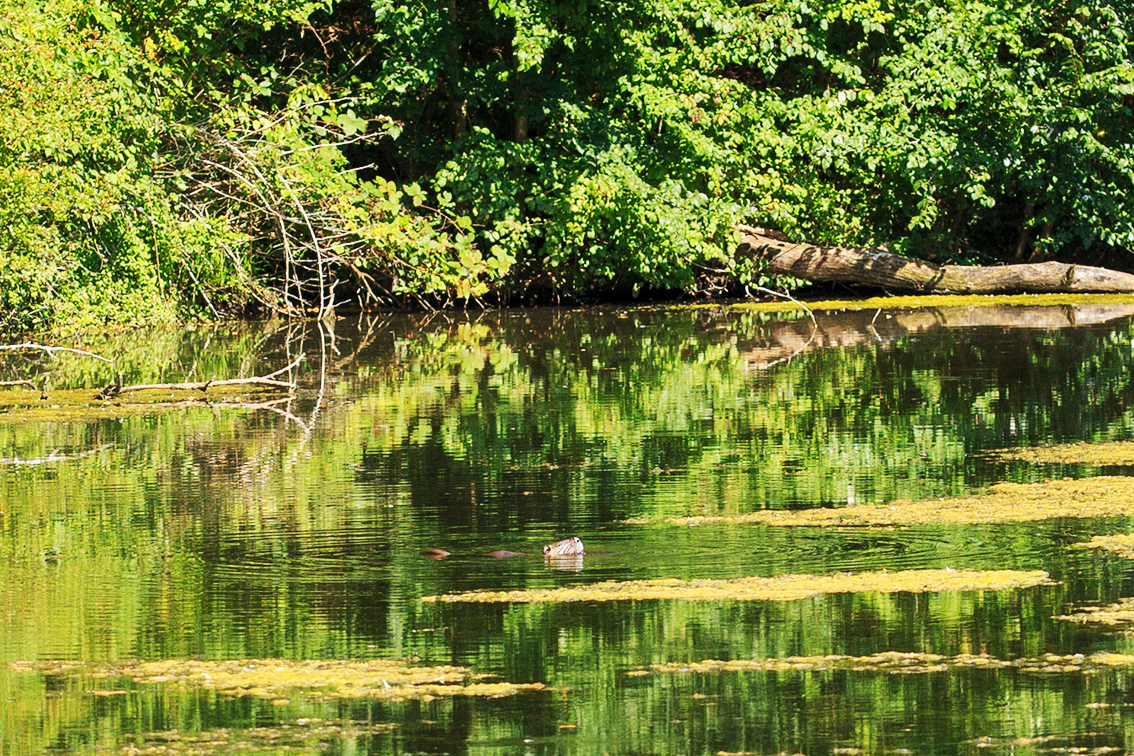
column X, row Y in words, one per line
column 221, row 534
column 1102, row 496
column 668, row 399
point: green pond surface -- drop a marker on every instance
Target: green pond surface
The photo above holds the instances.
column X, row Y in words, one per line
column 242, row 530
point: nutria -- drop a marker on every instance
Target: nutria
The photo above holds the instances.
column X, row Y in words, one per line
column 500, row 554
column 568, row 547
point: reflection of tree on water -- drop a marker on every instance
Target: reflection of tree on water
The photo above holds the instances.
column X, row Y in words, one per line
column 869, row 325
column 246, row 537
column 882, row 406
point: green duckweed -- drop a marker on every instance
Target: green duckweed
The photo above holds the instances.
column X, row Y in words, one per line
column 897, row 662
column 281, row 679
column 1120, row 613
column 782, row 588
column 1110, row 454
column 1103, row 496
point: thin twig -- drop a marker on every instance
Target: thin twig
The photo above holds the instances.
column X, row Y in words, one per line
column 788, row 297
column 269, row 406
column 814, row 326
column 294, row 363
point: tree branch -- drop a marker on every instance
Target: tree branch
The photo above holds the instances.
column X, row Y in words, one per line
column 28, row 346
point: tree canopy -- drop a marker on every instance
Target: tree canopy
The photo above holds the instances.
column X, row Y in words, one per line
column 162, row 160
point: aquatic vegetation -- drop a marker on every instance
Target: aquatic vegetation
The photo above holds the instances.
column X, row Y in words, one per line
column 1121, row 544
column 196, row 534
column 305, row 735
column 1108, row 454
column 898, row 662
column 782, row 588
column 1016, row 743
column 278, row 679
column 1119, row 613
column 1103, row 496
column 23, row 405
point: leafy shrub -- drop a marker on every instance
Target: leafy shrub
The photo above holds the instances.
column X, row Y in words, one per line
column 164, row 160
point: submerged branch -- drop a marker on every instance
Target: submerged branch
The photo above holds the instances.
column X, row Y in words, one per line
column 115, row 389
column 54, row 456
column 28, row 346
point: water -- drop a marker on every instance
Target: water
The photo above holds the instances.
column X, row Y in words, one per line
column 219, row 532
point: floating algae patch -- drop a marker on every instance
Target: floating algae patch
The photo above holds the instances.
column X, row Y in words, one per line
column 1121, row 613
column 899, row 662
column 1103, row 496
column 782, row 588
column 1122, row 544
column 81, row 406
column 308, row 735
column 277, row 679
column 1110, row 454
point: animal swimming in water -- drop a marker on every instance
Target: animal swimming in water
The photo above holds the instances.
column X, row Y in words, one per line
column 568, row 547
column 440, row 554
column 505, row 554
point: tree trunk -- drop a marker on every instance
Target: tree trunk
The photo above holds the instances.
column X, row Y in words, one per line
column 876, row 267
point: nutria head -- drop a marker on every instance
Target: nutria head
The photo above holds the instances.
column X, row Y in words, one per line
column 568, row 547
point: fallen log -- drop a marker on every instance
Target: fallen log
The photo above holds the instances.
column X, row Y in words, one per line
column 877, row 267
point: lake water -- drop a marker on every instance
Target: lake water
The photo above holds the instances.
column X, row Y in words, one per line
column 243, row 530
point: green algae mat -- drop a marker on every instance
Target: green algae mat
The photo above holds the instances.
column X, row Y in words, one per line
column 279, row 679
column 1103, row 496
column 781, row 588
column 897, row 662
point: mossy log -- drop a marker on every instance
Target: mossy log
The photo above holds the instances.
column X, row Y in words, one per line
column 876, row 267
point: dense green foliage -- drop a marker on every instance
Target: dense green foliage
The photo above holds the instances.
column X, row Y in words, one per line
column 159, row 159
